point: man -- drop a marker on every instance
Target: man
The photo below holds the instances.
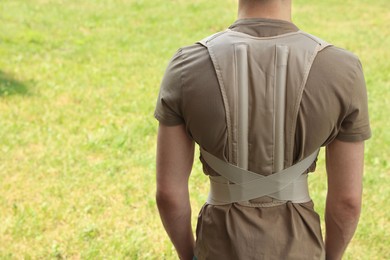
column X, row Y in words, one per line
column 262, row 96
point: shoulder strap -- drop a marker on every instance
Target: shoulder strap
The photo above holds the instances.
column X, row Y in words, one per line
column 204, row 41
column 323, row 44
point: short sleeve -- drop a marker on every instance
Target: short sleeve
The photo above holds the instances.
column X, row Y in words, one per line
column 355, row 126
column 168, row 107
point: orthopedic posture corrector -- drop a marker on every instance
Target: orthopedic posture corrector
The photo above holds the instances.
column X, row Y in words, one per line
column 232, row 56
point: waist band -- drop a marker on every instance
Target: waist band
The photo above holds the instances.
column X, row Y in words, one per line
column 236, row 184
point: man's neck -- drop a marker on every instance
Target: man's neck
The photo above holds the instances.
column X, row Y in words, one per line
column 271, row 9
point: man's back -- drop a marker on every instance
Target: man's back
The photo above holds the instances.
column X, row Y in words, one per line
column 333, row 102
column 333, row 105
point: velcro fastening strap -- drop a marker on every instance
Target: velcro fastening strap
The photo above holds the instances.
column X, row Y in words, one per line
column 289, row 184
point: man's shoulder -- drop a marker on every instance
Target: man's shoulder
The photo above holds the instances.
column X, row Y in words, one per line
column 190, row 56
column 338, row 62
column 335, row 53
column 193, row 50
column 196, row 55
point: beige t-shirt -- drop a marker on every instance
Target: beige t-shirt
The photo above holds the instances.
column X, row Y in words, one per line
column 333, row 105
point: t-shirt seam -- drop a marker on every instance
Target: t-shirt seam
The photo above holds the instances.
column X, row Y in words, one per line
column 181, row 83
column 354, row 137
column 174, row 117
column 351, row 97
column 166, row 121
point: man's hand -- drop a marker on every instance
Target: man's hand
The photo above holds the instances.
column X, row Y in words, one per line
column 344, row 164
column 175, row 156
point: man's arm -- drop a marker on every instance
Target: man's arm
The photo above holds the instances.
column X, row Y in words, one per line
column 175, row 156
column 344, row 164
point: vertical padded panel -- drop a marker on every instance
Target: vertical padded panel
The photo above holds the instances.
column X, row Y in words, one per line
column 280, row 106
column 241, row 59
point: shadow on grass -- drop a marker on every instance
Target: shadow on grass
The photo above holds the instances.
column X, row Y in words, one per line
column 10, row 86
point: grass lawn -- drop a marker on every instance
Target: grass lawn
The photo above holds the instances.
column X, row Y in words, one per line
column 78, row 85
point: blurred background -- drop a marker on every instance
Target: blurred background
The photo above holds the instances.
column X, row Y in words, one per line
column 78, row 86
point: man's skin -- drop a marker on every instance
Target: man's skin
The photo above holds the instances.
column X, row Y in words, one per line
column 175, row 155
column 344, row 166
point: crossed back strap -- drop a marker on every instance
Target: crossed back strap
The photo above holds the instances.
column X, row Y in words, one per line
column 289, row 184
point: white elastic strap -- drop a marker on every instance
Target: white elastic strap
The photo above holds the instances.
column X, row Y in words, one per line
column 248, row 185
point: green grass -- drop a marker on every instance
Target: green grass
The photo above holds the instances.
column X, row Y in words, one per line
column 78, row 84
